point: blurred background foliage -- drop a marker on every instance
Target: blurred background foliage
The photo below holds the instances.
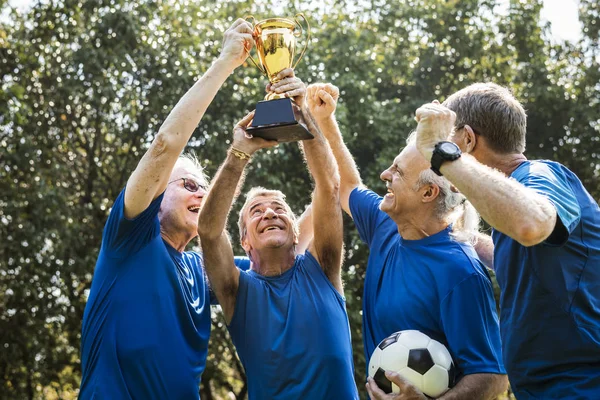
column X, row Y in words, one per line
column 85, row 85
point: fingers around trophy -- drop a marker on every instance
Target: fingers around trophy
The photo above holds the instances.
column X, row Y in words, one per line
column 289, row 87
column 244, row 122
column 286, row 73
column 237, row 23
column 295, row 93
column 244, row 27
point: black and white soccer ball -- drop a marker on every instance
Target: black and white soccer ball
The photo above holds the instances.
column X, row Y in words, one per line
column 422, row 361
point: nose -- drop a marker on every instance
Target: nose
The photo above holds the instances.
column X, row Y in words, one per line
column 201, row 192
column 385, row 175
column 269, row 213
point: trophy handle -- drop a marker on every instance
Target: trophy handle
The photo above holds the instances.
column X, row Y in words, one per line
column 300, row 33
column 256, row 64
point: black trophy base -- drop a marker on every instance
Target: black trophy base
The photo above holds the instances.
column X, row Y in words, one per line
column 275, row 120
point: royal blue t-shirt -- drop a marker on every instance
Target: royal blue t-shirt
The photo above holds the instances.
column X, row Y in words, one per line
column 550, row 294
column 147, row 320
column 435, row 285
column 293, row 336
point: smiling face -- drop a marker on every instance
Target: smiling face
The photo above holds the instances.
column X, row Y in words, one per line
column 401, row 179
column 179, row 209
column 266, row 221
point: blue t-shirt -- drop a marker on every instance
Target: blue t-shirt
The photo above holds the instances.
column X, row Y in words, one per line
column 147, row 320
column 293, row 336
column 435, row 285
column 550, row 301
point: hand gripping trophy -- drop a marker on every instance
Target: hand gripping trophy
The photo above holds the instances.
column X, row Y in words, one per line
column 275, row 44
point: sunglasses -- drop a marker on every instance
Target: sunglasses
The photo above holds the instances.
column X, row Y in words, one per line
column 190, row 184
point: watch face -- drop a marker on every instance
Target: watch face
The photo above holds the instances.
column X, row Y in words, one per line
column 449, row 148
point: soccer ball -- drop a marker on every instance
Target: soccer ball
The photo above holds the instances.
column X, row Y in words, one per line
column 422, row 361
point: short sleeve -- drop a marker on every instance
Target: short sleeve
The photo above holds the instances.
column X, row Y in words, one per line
column 364, row 207
column 124, row 236
column 552, row 183
column 242, row 263
column 470, row 323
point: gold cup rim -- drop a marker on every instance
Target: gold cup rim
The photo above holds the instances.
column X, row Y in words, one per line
column 291, row 23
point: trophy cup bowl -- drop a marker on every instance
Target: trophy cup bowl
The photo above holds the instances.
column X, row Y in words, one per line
column 275, row 39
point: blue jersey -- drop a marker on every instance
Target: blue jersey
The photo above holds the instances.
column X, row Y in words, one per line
column 550, row 301
column 435, row 285
column 147, row 320
column 293, row 336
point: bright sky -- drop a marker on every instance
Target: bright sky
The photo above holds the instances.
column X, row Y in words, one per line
column 562, row 14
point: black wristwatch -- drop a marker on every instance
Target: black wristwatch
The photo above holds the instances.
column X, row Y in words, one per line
column 442, row 152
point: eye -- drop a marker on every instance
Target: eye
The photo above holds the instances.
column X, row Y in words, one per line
column 256, row 211
column 280, row 210
column 191, row 185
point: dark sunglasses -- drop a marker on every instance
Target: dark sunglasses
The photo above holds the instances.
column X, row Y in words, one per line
column 190, row 184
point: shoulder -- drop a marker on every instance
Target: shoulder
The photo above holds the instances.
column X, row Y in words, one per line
column 540, row 169
column 362, row 194
column 459, row 262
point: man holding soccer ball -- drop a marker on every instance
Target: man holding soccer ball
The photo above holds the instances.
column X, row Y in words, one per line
column 423, row 274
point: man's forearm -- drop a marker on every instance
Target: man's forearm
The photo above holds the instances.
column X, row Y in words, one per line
column 319, row 158
column 185, row 116
column 349, row 175
column 217, row 204
column 477, row 387
column 502, row 202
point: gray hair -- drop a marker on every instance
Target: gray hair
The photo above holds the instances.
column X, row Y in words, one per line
column 259, row 191
column 451, row 205
column 190, row 158
column 494, row 113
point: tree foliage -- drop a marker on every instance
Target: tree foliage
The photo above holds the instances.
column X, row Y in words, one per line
column 86, row 85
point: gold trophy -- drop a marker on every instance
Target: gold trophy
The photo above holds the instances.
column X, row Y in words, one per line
column 275, row 39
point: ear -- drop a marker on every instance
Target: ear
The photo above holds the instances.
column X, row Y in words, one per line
column 245, row 245
column 469, row 139
column 430, row 193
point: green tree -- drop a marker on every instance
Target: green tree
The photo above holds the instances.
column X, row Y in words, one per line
column 86, row 85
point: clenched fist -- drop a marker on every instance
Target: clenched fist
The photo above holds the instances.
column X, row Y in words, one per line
column 436, row 123
column 321, row 99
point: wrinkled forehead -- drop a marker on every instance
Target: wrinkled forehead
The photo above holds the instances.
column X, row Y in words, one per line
column 268, row 200
column 410, row 160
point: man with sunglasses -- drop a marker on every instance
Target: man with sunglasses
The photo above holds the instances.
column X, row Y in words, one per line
column 546, row 236
column 147, row 321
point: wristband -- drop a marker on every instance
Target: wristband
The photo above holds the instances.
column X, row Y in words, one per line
column 242, row 155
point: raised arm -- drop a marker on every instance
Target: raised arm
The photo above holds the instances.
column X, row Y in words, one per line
column 212, row 220
column 502, row 202
column 150, row 177
column 321, row 100
column 327, row 244
column 306, row 229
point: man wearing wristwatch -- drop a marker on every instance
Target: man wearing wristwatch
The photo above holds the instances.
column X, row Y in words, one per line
column 546, row 236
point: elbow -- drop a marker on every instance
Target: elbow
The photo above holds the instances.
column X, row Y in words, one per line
column 500, row 386
column 206, row 232
column 532, row 233
column 161, row 144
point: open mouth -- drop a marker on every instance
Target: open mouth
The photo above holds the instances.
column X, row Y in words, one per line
column 194, row 209
column 271, row 228
column 389, row 193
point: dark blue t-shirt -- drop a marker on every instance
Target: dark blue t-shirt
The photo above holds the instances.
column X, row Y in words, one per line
column 435, row 285
column 550, row 301
column 293, row 336
column 147, row 320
